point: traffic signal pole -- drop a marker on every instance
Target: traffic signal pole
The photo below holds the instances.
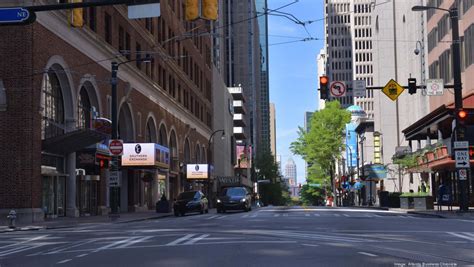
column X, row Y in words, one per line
column 458, row 105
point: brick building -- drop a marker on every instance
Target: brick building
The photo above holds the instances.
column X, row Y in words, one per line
column 54, row 160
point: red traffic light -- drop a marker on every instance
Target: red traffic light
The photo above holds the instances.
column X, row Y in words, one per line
column 462, row 114
column 323, row 80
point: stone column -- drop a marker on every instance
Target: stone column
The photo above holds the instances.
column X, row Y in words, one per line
column 71, row 208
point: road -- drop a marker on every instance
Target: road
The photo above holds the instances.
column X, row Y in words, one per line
column 270, row 236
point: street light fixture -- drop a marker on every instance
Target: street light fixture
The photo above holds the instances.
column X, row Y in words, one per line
column 209, row 160
column 114, row 191
column 456, row 61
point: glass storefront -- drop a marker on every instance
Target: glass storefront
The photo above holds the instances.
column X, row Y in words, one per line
column 54, row 196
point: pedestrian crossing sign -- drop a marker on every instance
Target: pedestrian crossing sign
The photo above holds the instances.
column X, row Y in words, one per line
column 393, row 90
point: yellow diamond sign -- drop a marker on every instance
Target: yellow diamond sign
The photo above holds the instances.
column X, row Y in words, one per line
column 392, row 89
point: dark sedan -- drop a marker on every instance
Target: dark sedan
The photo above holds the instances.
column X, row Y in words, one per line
column 234, row 198
column 190, row 201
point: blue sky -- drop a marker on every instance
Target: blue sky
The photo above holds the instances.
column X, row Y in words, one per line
column 293, row 71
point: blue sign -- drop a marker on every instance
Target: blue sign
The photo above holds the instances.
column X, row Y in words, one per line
column 375, row 171
column 14, row 15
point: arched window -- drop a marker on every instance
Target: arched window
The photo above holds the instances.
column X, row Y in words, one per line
column 187, row 152
column 197, row 153
column 52, row 105
column 84, row 109
column 150, row 131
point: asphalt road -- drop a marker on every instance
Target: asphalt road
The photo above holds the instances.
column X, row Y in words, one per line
column 270, row 236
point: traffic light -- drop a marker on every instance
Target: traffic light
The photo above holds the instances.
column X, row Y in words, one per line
column 411, row 86
column 76, row 17
column 323, row 87
column 191, row 10
column 461, row 114
column 209, row 9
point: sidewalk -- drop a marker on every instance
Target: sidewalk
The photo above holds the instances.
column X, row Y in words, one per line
column 443, row 213
column 67, row 222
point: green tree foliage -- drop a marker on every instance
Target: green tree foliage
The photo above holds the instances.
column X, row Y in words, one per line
column 322, row 145
column 273, row 193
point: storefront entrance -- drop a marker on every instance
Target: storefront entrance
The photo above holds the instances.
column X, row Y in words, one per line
column 89, row 186
column 54, row 196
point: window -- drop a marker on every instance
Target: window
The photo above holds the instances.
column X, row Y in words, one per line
column 108, row 28
column 84, row 109
column 52, row 105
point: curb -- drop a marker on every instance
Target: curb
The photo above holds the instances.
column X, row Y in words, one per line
column 367, row 207
column 427, row 214
column 36, row 228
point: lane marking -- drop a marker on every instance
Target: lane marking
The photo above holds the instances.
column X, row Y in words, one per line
column 245, row 216
column 212, row 217
column 196, row 239
column 347, row 215
column 26, row 241
column 64, row 261
column 337, row 215
column 317, row 214
column 376, row 215
column 55, row 250
column 254, row 215
column 307, row 215
column 82, row 255
column 276, row 215
column 367, row 254
column 310, row 245
column 462, row 236
column 137, row 240
column 285, row 214
column 114, row 244
column 182, row 239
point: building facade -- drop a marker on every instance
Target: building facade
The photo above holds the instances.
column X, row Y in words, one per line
column 290, row 172
column 58, row 109
column 273, row 130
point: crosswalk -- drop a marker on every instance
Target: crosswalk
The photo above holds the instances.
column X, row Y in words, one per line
column 304, row 215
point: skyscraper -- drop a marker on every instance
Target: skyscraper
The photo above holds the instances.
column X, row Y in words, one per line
column 273, row 130
column 290, row 172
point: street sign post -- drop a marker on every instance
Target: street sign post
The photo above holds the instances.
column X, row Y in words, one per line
column 434, row 87
column 359, row 88
column 392, row 89
column 462, row 174
column 116, row 147
column 461, row 145
column 338, row 89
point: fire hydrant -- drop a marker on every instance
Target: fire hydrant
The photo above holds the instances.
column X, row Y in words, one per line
column 11, row 219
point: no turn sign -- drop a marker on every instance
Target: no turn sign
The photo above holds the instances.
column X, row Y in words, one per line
column 338, row 89
column 116, row 147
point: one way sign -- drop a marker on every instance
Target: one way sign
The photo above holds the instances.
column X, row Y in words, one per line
column 462, row 158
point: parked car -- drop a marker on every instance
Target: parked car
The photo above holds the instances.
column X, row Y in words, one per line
column 234, row 198
column 190, row 201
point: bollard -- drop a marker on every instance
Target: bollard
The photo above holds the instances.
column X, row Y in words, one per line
column 11, row 219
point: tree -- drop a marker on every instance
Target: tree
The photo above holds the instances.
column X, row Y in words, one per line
column 272, row 192
column 322, row 145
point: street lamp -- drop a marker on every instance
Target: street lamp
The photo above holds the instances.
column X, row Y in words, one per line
column 114, row 191
column 421, row 51
column 209, row 161
column 456, row 56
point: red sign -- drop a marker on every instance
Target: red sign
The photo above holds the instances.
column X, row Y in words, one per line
column 116, row 147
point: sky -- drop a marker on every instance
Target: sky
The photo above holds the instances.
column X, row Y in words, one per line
column 293, row 71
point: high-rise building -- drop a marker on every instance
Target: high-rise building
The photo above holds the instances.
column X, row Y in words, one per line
column 290, row 172
column 246, row 52
column 273, row 130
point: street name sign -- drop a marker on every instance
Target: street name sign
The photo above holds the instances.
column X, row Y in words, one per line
column 11, row 15
column 434, row 87
column 338, row 89
column 461, row 145
column 358, row 88
column 392, row 89
column 114, row 179
column 462, row 158
column 151, row 10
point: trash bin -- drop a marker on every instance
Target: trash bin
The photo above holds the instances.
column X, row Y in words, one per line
column 383, row 198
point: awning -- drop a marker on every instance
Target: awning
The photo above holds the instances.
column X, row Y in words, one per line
column 72, row 141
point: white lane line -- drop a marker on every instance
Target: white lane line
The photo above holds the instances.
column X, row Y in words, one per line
column 15, row 250
column 182, row 239
column 245, row 216
column 54, row 250
column 337, row 215
column 310, row 245
column 82, row 255
column 276, row 215
column 347, row 215
column 285, row 215
column 317, row 214
column 462, row 236
column 26, row 241
column 64, row 261
column 471, row 221
column 376, row 215
column 212, row 217
column 196, row 239
column 254, row 215
column 367, row 254
column 307, row 215
column 220, row 217
column 137, row 240
column 114, row 244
